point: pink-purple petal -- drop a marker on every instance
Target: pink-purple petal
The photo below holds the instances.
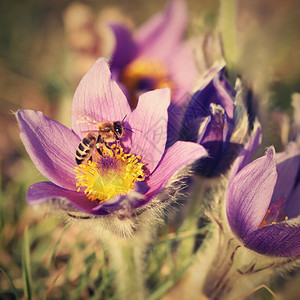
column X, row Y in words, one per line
column 47, row 191
column 159, row 36
column 175, row 117
column 215, row 138
column 97, row 99
column 280, row 239
column 211, row 91
column 50, row 145
column 125, row 48
column 203, row 128
column 182, row 71
column 224, row 96
column 178, row 155
column 292, row 208
column 210, row 75
column 249, row 193
column 149, row 125
column 288, row 166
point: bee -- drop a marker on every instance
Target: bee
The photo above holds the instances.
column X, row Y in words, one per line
column 107, row 132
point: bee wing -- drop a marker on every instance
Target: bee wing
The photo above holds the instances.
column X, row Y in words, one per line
column 86, row 120
column 88, row 123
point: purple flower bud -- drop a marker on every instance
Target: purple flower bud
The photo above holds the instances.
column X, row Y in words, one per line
column 262, row 203
column 217, row 118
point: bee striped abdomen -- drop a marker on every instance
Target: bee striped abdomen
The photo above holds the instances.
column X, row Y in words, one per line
column 85, row 148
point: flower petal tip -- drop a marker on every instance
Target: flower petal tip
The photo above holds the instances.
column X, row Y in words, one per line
column 164, row 92
column 270, row 152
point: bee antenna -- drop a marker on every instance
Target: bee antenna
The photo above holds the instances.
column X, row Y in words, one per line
column 128, row 129
column 124, row 119
column 131, row 130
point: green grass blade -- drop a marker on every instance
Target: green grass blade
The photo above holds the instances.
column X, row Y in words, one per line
column 11, row 283
column 56, row 244
column 26, row 270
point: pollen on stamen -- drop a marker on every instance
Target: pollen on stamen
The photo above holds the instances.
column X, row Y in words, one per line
column 264, row 221
column 275, row 213
column 110, row 174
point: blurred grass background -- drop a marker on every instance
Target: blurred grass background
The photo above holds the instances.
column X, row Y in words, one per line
column 45, row 48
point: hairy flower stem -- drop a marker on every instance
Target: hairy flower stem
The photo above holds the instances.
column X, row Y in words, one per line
column 196, row 222
column 234, row 269
column 224, row 269
column 126, row 264
column 186, row 247
column 222, row 275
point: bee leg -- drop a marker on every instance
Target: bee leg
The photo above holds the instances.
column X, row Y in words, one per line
column 98, row 145
column 117, row 141
column 109, row 148
column 99, row 151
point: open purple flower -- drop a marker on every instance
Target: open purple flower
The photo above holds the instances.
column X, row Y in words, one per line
column 262, row 202
column 119, row 179
column 155, row 56
column 217, row 118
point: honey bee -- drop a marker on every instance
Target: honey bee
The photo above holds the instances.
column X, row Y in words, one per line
column 107, row 132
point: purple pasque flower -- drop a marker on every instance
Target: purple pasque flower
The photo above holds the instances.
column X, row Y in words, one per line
column 217, row 118
column 121, row 179
column 155, row 55
column 262, row 202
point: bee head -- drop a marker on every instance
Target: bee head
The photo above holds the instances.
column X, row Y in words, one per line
column 119, row 129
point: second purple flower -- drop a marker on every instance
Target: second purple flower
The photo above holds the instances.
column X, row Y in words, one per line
column 155, row 55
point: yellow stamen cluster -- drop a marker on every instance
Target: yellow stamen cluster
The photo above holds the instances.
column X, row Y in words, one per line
column 145, row 68
column 109, row 175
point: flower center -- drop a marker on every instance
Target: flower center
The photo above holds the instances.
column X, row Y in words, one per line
column 144, row 75
column 110, row 174
column 274, row 214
